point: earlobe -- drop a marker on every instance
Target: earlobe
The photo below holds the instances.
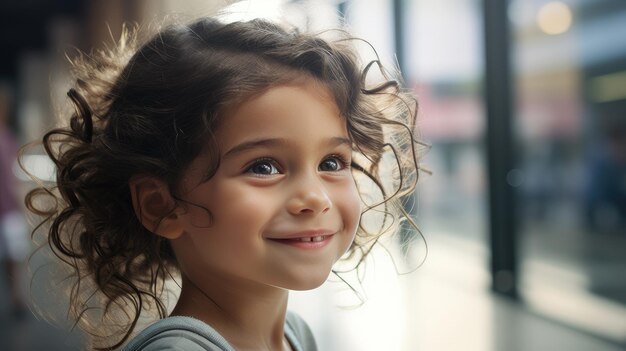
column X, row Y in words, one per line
column 155, row 207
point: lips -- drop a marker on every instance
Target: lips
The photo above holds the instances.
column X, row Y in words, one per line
column 304, row 235
column 310, row 238
column 305, row 239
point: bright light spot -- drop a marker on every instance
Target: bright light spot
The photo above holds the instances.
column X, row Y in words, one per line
column 250, row 9
column 39, row 166
column 554, row 18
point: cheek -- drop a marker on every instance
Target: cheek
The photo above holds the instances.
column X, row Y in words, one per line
column 349, row 203
column 241, row 207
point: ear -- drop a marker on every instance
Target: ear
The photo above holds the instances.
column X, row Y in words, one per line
column 155, row 207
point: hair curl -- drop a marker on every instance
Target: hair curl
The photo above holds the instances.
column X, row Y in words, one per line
column 150, row 109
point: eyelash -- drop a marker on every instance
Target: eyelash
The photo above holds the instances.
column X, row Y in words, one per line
column 344, row 164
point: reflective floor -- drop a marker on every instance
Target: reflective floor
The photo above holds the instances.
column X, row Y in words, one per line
column 444, row 306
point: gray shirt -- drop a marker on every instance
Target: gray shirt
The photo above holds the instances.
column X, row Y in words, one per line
column 189, row 334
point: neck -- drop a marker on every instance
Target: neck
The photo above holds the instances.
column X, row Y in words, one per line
column 248, row 315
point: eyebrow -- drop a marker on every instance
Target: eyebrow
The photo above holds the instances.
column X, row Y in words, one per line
column 278, row 142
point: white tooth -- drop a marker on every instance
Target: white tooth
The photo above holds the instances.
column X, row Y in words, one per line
column 317, row 238
column 306, row 239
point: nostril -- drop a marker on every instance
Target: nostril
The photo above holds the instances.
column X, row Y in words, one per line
column 304, row 207
column 308, row 200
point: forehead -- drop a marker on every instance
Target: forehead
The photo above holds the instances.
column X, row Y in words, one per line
column 284, row 111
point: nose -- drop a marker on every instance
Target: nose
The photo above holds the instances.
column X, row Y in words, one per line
column 310, row 197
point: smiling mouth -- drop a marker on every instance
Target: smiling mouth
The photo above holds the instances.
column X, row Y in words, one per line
column 308, row 242
column 310, row 238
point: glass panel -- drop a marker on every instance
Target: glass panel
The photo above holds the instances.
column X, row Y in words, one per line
column 570, row 67
column 444, row 67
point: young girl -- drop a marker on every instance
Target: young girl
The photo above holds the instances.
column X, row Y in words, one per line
column 229, row 159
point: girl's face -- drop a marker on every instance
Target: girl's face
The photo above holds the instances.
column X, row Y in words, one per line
column 284, row 206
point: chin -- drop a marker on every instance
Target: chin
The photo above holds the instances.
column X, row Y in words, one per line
column 311, row 282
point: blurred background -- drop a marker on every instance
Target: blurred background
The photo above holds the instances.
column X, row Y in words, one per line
column 524, row 103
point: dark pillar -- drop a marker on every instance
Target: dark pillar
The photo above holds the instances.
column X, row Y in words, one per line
column 500, row 152
column 398, row 33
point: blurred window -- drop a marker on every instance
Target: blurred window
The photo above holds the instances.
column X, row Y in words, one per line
column 570, row 71
column 444, row 63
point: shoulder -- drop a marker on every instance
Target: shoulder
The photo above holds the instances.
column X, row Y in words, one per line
column 299, row 333
column 179, row 333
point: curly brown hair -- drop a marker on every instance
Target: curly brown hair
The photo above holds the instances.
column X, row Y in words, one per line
column 151, row 109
